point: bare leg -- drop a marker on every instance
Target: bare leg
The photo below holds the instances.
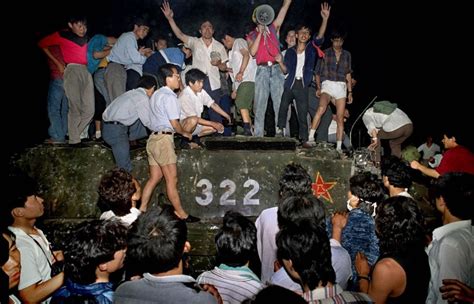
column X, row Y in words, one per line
column 155, row 177
column 323, row 105
column 340, row 107
column 170, row 173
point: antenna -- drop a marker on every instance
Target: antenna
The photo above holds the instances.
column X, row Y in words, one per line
column 358, row 117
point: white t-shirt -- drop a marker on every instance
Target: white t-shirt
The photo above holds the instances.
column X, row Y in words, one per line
column 34, row 260
column 192, row 104
column 235, row 61
column 429, row 152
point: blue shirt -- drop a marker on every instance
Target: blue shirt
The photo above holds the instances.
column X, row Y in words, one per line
column 102, row 292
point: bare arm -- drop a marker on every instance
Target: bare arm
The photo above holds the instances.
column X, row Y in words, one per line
column 423, row 169
column 177, row 127
column 40, row 291
column 282, row 14
column 283, row 68
column 245, row 61
column 253, row 45
column 168, row 12
column 325, row 11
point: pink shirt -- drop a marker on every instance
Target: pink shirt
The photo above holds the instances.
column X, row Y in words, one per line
column 72, row 52
column 269, row 45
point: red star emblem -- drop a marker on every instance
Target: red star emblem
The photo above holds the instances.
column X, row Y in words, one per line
column 320, row 188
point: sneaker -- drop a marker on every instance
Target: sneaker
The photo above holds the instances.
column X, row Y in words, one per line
column 248, row 132
column 192, row 219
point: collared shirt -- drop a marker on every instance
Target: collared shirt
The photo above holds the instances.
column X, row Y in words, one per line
column 451, row 256
column 202, row 58
column 125, row 51
column 269, row 45
column 335, row 294
column 192, row 104
column 332, row 69
column 388, row 123
column 128, row 107
column 164, row 107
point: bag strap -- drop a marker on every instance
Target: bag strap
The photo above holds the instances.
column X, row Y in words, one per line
column 42, row 250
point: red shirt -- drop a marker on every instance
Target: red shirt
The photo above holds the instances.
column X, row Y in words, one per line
column 72, row 52
column 457, row 159
column 269, row 46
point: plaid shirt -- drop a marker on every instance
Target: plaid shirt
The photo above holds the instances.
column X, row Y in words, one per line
column 335, row 294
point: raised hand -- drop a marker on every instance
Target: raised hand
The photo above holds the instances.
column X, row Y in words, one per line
column 325, row 10
column 167, row 11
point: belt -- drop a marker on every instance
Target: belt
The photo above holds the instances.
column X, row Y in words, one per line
column 266, row 63
column 299, row 78
column 162, row 132
column 113, row 123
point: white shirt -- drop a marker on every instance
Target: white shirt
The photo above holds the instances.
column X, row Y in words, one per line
column 35, row 266
column 127, row 219
column 429, row 152
column 128, row 107
column 125, row 51
column 451, row 256
column 388, row 123
column 202, row 58
column 235, row 61
column 192, row 104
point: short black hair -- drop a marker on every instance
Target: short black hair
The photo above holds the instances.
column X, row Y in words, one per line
column 368, row 188
column 309, row 250
column 295, row 180
column 147, row 82
column 20, row 186
column 398, row 174
column 194, row 75
column 294, row 210
column 276, row 294
column 399, row 225
column 95, row 242
column 165, row 71
column 457, row 190
column 236, row 240
column 156, row 240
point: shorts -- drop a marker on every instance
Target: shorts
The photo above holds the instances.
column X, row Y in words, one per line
column 245, row 95
column 335, row 89
column 160, row 150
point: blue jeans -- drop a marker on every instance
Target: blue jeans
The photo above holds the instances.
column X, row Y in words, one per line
column 118, row 136
column 268, row 81
column 57, row 110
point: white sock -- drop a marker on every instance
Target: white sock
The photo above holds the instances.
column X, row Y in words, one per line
column 311, row 134
column 98, row 134
column 338, row 145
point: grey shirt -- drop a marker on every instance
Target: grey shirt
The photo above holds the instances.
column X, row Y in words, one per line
column 128, row 107
column 174, row 289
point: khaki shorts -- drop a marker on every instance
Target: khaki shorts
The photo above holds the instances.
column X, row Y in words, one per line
column 160, row 150
column 245, row 95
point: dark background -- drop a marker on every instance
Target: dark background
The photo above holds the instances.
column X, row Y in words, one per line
column 400, row 53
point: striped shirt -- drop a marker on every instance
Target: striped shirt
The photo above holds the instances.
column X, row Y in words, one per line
column 235, row 284
column 335, row 294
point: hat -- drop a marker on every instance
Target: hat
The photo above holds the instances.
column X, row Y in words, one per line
column 384, row 107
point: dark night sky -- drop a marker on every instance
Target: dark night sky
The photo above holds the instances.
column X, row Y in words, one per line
column 396, row 55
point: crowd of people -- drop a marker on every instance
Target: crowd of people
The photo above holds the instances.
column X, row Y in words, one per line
column 378, row 250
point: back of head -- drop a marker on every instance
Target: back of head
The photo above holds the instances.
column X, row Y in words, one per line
column 95, row 242
column 19, row 187
column 399, row 225
column 236, row 241
column 294, row 210
column 368, row 188
column 295, row 181
column 166, row 70
column 309, row 250
column 276, row 294
column 116, row 189
column 398, row 174
column 147, row 82
column 156, row 240
column 457, row 190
